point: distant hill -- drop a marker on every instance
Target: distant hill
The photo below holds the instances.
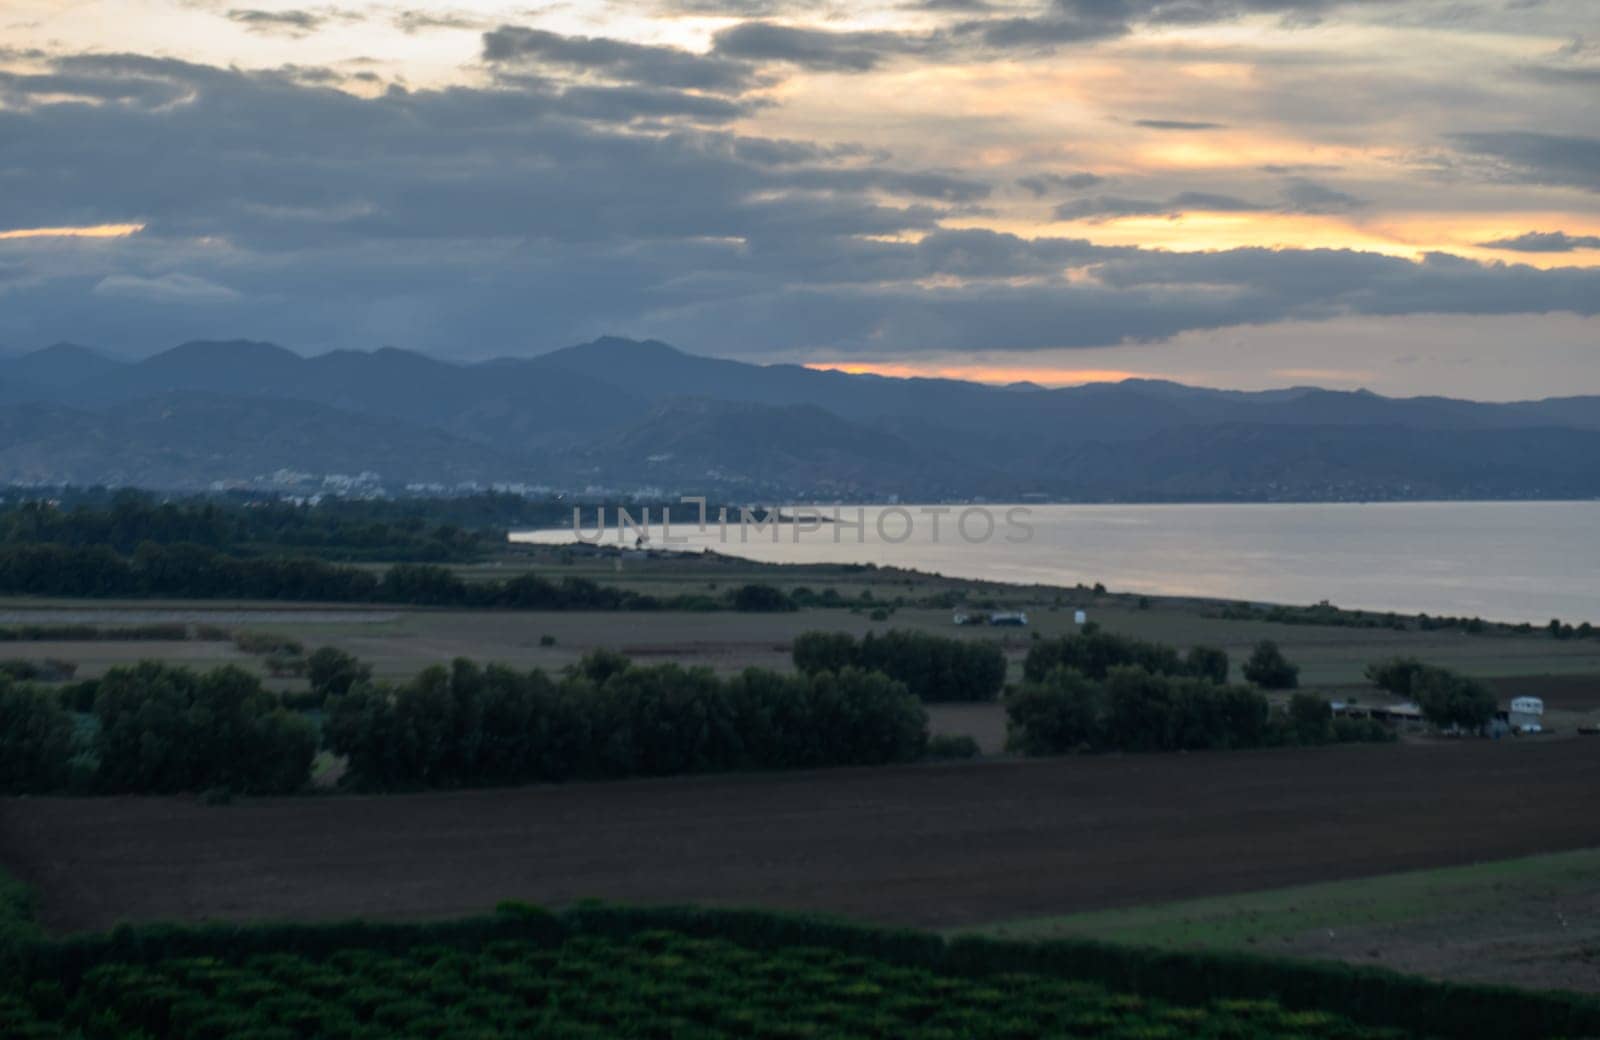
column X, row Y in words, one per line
column 190, row 440
column 620, row 414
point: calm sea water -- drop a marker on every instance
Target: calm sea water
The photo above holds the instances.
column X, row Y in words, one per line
column 1510, row 561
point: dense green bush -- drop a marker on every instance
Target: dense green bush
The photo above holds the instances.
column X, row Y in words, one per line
column 1311, row 718
column 36, row 740
column 163, row 729
column 953, row 746
column 608, row 718
column 254, row 642
column 934, row 668
column 17, row 923
column 761, row 599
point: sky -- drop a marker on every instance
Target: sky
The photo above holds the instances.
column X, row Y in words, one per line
column 1402, row 195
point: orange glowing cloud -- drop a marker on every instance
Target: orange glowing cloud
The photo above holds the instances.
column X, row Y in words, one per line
column 94, row 231
column 979, row 373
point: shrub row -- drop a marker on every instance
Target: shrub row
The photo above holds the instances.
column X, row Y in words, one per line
column 934, row 668
column 96, row 633
column 51, row 669
column 470, row 726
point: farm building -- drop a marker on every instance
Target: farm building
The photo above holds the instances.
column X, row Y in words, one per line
column 1526, row 714
column 1400, row 715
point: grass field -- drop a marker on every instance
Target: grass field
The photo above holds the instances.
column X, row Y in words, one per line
column 1530, row 921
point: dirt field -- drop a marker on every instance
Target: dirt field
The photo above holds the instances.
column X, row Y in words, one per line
column 399, row 642
column 932, row 845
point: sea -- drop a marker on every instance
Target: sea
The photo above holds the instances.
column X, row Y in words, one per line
column 1502, row 561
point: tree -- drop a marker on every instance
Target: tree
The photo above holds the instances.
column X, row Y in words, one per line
column 1269, row 669
column 1450, row 699
column 1058, row 714
column 164, row 730
column 1397, row 674
column 333, row 672
column 36, row 740
column 1096, row 653
column 1208, row 662
column 761, row 599
column 1310, row 718
column 825, row 651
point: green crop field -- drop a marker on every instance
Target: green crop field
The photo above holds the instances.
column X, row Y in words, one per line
column 652, row 984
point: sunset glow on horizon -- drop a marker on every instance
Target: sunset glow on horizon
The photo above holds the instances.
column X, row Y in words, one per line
column 95, row 231
column 979, row 373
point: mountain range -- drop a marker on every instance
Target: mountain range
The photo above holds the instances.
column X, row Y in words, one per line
column 625, row 416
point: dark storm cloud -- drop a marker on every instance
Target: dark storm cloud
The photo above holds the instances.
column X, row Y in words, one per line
column 1303, row 196
column 1108, row 207
column 285, row 23
column 630, row 62
column 1561, row 75
column 1041, row 185
column 817, row 49
column 1544, row 242
column 1074, row 21
column 1177, row 124
column 413, row 22
column 534, row 214
column 1535, row 158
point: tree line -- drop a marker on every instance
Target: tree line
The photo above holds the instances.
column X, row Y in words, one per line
column 467, row 726
column 196, row 572
column 155, row 729
column 1095, row 691
column 934, row 668
column 1446, row 698
column 1132, row 709
column 412, row 530
column 159, row 729
column 1094, row 654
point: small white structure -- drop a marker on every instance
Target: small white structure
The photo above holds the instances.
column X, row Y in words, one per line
column 1080, row 617
column 1526, row 715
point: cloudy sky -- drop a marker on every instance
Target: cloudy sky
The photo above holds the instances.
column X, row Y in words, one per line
column 1399, row 194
